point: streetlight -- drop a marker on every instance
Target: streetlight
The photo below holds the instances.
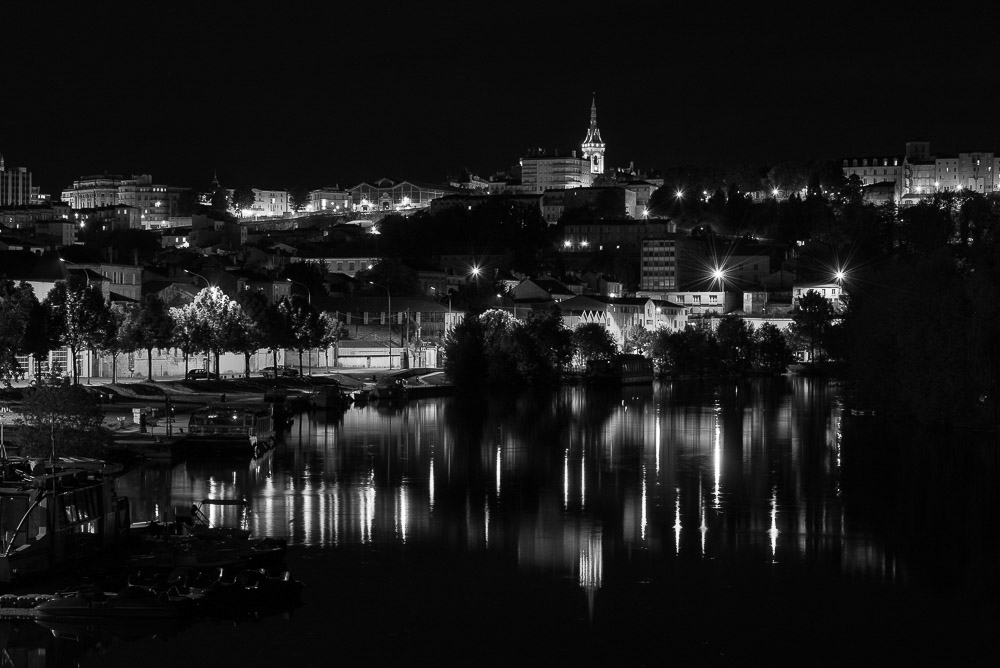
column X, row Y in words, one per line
column 86, row 273
column 207, row 282
column 308, row 291
column 388, row 297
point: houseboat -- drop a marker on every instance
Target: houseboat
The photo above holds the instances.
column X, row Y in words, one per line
column 53, row 514
column 621, row 369
column 230, row 429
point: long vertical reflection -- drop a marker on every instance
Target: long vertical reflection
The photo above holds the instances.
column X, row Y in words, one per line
column 583, row 480
column 717, row 461
column 773, row 531
column 566, row 479
column 430, row 485
column 677, row 521
column 498, row 470
column 701, row 511
column 642, row 508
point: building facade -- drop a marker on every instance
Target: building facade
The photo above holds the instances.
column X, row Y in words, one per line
column 15, row 186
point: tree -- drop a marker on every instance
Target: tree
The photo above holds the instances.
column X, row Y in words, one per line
column 543, row 345
column 117, row 337
column 330, row 331
column 16, row 304
column 79, row 316
column 247, row 338
column 593, row 341
column 187, row 331
column 735, row 338
column 811, row 320
column 243, row 199
column 300, row 321
column 56, row 415
column 220, row 201
column 465, row 353
column 771, row 353
column 150, row 327
column 298, row 198
column 208, row 323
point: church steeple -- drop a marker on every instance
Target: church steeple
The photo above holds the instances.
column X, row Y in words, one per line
column 593, row 146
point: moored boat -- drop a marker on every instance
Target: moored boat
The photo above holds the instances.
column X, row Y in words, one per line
column 230, row 429
column 51, row 515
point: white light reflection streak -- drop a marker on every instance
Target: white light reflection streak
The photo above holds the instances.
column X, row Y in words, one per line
column 498, row 470
column 591, row 562
column 658, row 435
column 486, row 520
column 404, row 512
column 583, row 480
column 717, row 457
column 773, row 531
column 677, row 521
column 431, row 484
column 367, row 499
column 566, row 480
column 704, row 525
column 642, row 521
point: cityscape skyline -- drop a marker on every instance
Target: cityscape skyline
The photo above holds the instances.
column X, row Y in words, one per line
column 427, row 91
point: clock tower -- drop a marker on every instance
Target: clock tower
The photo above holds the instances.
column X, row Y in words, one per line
column 593, row 145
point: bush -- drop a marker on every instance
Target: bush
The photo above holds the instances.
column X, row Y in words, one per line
column 65, row 415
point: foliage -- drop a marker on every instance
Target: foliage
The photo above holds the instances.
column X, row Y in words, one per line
column 638, row 340
column 117, row 338
column 79, row 316
column 770, row 351
column 465, row 353
column 64, row 417
column 735, row 344
column 298, row 198
column 210, row 323
column 496, row 349
column 811, row 321
column 151, row 326
column 299, row 322
column 690, row 351
column 17, row 302
column 243, row 199
column 593, row 342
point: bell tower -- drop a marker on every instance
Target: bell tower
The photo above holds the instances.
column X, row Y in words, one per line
column 593, row 146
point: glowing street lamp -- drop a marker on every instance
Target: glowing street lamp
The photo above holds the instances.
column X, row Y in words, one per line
column 567, row 244
column 718, row 276
column 476, row 270
column 207, row 282
column 679, row 194
column 774, row 192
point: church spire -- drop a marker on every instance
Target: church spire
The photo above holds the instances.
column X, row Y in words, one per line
column 593, row 146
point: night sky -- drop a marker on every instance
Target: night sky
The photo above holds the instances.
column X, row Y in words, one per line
column 300, row 95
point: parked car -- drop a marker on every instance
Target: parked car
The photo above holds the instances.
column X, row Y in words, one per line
column 269, row 371
column 195, row 374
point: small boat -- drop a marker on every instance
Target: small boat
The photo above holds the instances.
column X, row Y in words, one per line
column 51, row 515
column 130, row 603
column 621, row 369
column 230, row 429
column 389, row 388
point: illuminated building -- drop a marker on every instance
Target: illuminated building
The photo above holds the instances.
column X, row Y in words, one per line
column 156, row 203
column 329, row 199
column 269, row 202
column 389, row 195
column 541, row 171
column 919, row 174
column 593, row 146
column 15, row 186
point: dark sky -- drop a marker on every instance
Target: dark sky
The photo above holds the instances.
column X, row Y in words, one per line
column 300, row 95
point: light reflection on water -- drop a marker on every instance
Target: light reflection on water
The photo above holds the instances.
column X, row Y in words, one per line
column 709, row 471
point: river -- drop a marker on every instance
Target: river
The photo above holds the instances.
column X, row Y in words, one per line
column 687, row 523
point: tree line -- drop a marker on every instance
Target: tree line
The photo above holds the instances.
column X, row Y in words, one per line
column 75, row 315
column 495, row 349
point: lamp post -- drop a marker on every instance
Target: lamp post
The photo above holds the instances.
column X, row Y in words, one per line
column 86, row 273
column 207, row 282
column 388, row 297
column 308, row 291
